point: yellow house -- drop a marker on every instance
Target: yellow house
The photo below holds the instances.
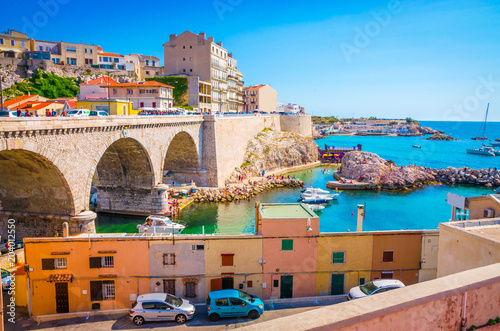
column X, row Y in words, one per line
column 234, row 262
column 13, row 44
column 344, row 261
column 85, row 273
column 118, row 106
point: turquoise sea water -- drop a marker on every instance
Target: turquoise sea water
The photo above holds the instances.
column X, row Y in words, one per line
column 423, row 208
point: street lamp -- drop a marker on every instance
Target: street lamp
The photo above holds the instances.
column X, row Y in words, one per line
column 109, row 101
column 1, row 94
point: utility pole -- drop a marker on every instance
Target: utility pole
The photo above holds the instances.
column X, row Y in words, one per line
column 109, row 102
column 1, row 94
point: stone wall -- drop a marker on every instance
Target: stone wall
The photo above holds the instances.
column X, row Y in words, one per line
column 297, row 124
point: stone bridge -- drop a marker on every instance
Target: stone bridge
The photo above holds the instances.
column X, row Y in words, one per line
column 48, row 165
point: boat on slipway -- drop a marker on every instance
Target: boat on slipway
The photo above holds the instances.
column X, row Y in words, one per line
column 315, row 207
column 484, row 150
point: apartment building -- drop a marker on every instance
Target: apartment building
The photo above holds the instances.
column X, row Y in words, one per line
column 13, row 44
column 145, row 66
column 260, row 97
column 235, row 86
column 200, row 94
column 62, row 52
column 196, row 55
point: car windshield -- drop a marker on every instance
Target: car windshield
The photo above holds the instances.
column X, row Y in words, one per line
column 246, row 296
column 368, row 288
column 93, row 113
column 173, row 300
column 4, row 113
column 71, row 112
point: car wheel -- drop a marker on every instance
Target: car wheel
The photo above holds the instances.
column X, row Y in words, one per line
column 138, row 320
column 181, row 319
column 214, row 317
column 253, row 314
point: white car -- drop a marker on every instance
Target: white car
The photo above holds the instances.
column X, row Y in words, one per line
column 98, row 113
column 374, row 287
column 78, row 113
column 161, row 307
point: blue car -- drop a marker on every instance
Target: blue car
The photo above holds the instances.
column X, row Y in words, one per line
column 233, row 303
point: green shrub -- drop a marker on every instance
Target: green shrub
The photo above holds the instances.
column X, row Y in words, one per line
column 491, row 322
column 180, row 85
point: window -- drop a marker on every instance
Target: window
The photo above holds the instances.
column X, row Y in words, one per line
column 249, row 283
column 141, row 104
column 183, row 70
column 198, row 247
column 147, row 72
column 169, row 259
column 190, row 59
column 40, row 48
column 221, row 302
column 387, row 274
column 276, row 283
column 191, row 47
column 190, row 70
column 236, row 302
column 12, row 43
column 102, row 290
column 70, row 49
column 183, row 59
column 147, row 62
column 130, row 91
column 60, row 263
column 115, row 91
column 1, row 41
column 227, row 259
column 23, row 44
column 338, row 257
column 85, row 50
column 388, row 256
column 116, row 60
column 183, row 47
column 51, row 264
column 154, row 105
column 154, row 63
column 287, row 245
column 91, row 51
column 101, row 262
column 148, row 305
column 190, row 290
column 47, row 48
column 361, row 281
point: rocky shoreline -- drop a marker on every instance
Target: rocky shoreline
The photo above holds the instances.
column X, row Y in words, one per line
column 377, row 173
column 243, row 191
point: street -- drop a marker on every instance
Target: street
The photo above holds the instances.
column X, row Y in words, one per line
column 199, row 322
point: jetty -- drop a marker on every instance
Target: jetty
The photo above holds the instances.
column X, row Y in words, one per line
column 346, row 184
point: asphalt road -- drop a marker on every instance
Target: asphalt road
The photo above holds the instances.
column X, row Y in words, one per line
column 199, row 322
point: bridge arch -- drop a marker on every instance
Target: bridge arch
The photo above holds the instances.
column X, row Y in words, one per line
column 31, row 183
column 124, row 176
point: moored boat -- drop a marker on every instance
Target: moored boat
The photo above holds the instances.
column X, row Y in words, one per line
column 160, row 224
column 315, row 207
column 483, row 150
column 310, row 191
column 416, row 146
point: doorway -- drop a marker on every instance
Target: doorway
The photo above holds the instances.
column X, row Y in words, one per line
column 169, row 286
column 337, row 284
column 286, row 289
column 62, row 302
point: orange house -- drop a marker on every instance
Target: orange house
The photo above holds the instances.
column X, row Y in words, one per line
column 289, row 249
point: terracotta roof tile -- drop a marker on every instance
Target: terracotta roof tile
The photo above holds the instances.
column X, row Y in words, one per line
column 102, row 80
column 255, row 87
column 148, row 83
column 18, row 99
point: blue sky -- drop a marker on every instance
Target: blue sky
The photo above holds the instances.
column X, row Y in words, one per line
column 430, row 60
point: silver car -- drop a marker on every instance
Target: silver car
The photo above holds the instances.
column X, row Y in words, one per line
column 161, row 307
column 374, row 287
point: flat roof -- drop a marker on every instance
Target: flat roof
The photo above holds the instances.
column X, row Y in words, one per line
column 285, row 210
column 485, row 228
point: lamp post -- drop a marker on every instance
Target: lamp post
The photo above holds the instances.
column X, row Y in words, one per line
column 109, row 101
column 1, row 94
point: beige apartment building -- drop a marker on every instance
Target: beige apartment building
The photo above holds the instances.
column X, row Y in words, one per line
column 260, row 97
column 145, row 66
column 62, row 52
column 196, row 55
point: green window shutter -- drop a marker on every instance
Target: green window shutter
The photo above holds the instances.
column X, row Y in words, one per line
column 338, row 257
column 361, row 281
column 287, row 245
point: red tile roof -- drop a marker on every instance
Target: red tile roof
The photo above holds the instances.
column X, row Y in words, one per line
column 18, row 99
column 148, row 83
column 60, row 278
column 109, row 54
column 102, row 80
column 39, row 105
column 255, row 87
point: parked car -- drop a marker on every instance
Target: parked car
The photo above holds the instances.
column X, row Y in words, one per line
column 4, row 248
column 233, row 303
column 78, row 112
column 6, row 279
column 374, row 287
column 9, row 113
column 161, row 307
column 98, row 113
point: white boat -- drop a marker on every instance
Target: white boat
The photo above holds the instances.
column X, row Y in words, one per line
column 315, row 207
column 319, row 198
column 310, row 191
column 484, row 150
column 160, row 224
column 495, row 144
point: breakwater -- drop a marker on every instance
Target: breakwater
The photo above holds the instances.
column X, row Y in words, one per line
column 478, row 177
column 244, row 191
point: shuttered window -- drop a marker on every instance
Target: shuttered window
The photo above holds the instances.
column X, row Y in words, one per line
column 48, row 264
column 338, row 257
column 95, row 262
column 227, row 259
column 96, row 290
column 287, row 245
column 190, row 289
column 388, row 256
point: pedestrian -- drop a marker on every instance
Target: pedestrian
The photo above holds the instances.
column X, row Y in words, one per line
column 19, row 112
column 54, row 114
column 26, row 113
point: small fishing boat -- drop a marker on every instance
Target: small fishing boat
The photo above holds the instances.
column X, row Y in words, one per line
column 160, row 224
column 315, row 207
column 416, row 146
column 319, row 198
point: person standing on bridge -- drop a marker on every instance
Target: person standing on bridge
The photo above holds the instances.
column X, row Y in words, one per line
column 18, row 112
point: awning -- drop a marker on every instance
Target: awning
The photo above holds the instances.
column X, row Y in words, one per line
column 60, row 278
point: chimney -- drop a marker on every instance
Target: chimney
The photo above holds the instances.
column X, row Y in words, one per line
column 230, row 55
column 219, row 43
column 361, row 217
column 173, row 36
column 211, row 39
column 65, row 232
column 202, row 35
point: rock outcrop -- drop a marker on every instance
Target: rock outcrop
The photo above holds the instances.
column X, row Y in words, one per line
column 467, row 176
column 382, row 174
column 439, row 136
column 271, row 150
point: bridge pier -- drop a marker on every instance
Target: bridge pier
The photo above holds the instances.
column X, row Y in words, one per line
column 29, row 224
column 199, row 177
column 135, row 200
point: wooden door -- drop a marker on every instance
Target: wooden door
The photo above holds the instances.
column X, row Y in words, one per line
column 62, row 302
column 216, row 284
column 169, row 286
column 286, row 289
column 337, row 284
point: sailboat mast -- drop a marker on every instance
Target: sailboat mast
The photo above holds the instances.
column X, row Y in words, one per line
column 486, row 119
